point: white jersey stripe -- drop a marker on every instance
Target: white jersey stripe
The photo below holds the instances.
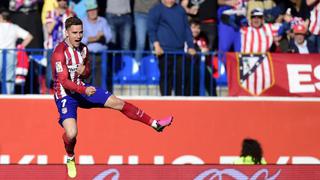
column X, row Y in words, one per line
column 251, row 78
column 269, row 35
column 267, row 75
column 263, row 37
column 242, row 41
column 67, row 58
column 80, row 62
column 314, row 27
column 249, row 39
column 73, row 59
column 251, row 82
column 259, row 79
column 80, row 59
column 255, row 40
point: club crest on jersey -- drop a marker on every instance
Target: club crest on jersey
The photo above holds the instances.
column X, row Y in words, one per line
column 64, row 110
column 255, row 72
column 59, row 67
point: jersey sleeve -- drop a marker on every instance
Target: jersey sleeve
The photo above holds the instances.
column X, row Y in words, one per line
column 59, row 67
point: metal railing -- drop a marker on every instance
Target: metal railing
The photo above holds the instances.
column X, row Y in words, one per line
column 174, row 73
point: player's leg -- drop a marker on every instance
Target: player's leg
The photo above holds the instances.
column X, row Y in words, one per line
column 103, row 98
column 67, row 107
column 70, row 135
column 70, row 140
column 135, row 113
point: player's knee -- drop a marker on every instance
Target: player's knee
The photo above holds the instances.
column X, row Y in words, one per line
column 71, row 134
column 114, row 103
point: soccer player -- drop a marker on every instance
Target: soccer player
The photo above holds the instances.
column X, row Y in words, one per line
column 70, row 67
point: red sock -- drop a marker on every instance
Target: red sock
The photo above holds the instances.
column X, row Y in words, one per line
column 69, row 144
column 132, row 112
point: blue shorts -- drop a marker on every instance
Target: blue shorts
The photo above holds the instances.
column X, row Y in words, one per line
column 68, row 105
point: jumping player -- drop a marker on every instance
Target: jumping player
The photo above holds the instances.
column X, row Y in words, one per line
column 70, row 67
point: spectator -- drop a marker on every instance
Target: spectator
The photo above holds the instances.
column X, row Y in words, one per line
column 298, row 8
column 9, row 33
column 193, row 63
column 299, row 44
column 314, row 27
column 54, row 29
column 169, row 30
column 199, row 38
column 258, row 36
column 284, row 34
column 120, row 20
column 206, row 12
column 97, row 34
column 141, row 9
column 55, row 24
column 26, row 14
column 251, row 153
column 229, row 13
column 48, row 5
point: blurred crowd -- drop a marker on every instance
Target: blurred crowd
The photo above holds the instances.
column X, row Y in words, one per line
column 226, row 25
column 247, row 26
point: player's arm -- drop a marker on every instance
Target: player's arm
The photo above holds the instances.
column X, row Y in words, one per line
column 58, row 64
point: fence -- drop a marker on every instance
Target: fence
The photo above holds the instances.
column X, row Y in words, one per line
column 119, row 72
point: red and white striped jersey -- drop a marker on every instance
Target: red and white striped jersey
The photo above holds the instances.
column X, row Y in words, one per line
column 314, row 26
column 64, row 62
column 258, row 40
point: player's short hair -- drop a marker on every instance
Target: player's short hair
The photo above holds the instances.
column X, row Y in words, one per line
column 72, row 21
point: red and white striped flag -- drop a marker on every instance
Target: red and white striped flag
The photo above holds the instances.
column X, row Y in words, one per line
column 255, row 72
column 314, row 26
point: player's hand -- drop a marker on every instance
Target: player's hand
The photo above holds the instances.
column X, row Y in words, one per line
column 158, row 49
column 192, row 51
column 90, row 90
column 80, row 69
